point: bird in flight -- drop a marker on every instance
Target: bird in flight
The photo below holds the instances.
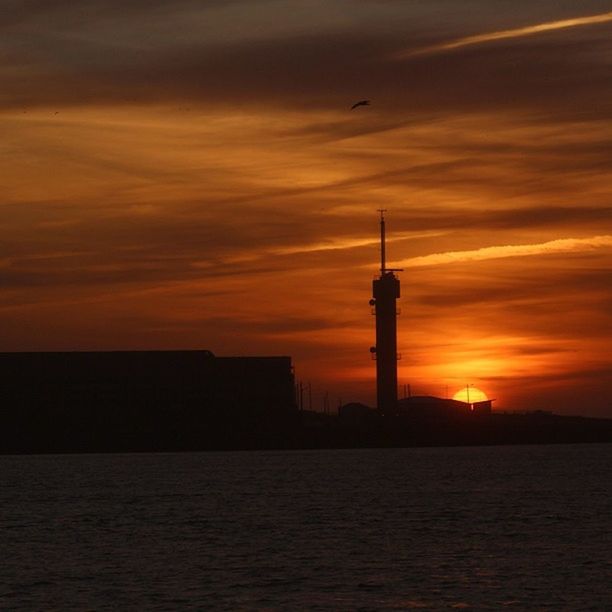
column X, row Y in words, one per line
column 360, row 103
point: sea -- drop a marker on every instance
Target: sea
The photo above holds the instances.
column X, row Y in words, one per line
column 523, row 527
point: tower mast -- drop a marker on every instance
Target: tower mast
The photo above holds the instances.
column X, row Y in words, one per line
column 386, row 290
column 382, row 212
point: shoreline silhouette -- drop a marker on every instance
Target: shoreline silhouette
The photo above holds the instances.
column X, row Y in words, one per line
column 163, row 401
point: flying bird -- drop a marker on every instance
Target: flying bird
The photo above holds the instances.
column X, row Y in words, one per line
column 360, row 103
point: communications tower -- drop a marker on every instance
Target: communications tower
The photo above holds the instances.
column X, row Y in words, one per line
column 386, row 290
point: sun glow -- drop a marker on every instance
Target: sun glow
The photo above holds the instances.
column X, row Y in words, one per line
column 470, row 395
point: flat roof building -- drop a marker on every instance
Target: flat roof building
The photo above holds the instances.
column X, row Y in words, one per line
column 137, row 399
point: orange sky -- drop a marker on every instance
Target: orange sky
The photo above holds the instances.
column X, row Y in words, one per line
column 188, row 175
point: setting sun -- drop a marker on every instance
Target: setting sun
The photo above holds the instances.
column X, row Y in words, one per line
column 470, row 395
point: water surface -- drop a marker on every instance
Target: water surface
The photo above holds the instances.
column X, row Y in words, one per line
column 392, row 529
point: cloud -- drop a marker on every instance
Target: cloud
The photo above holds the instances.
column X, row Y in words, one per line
column 510, row 286
column 563, row 245
column 505, row 34
column 88, row 13
column 205, row 184
column 332, row 245
column 144, row 62
column 522, row 217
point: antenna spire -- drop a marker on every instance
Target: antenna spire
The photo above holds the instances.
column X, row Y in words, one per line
column 383, row 266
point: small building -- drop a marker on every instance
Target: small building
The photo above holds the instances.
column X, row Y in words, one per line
column 356, row 412
column 430, row 406
column 483, row 407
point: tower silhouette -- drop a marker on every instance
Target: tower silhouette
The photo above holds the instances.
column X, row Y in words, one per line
column 386, row 290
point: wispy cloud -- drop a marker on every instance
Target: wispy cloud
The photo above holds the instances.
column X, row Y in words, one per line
column 563, row 245
column 504, row 34
column 350, row 243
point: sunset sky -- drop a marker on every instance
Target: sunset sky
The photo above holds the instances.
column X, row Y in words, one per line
column 188, row 174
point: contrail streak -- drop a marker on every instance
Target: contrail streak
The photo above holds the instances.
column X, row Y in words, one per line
column 563, row 245
column 502, row 34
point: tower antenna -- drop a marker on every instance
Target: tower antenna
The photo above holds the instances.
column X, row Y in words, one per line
column 382, row 212
column 386, row 290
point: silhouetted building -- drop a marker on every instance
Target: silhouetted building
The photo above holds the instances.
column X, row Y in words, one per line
column 430, row 406
column 138, row 399
column 355, row 412
column 386, row 291
column 483, row 407
column 427, row 405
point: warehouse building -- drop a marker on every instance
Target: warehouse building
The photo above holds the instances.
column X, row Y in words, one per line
column 137, row 399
